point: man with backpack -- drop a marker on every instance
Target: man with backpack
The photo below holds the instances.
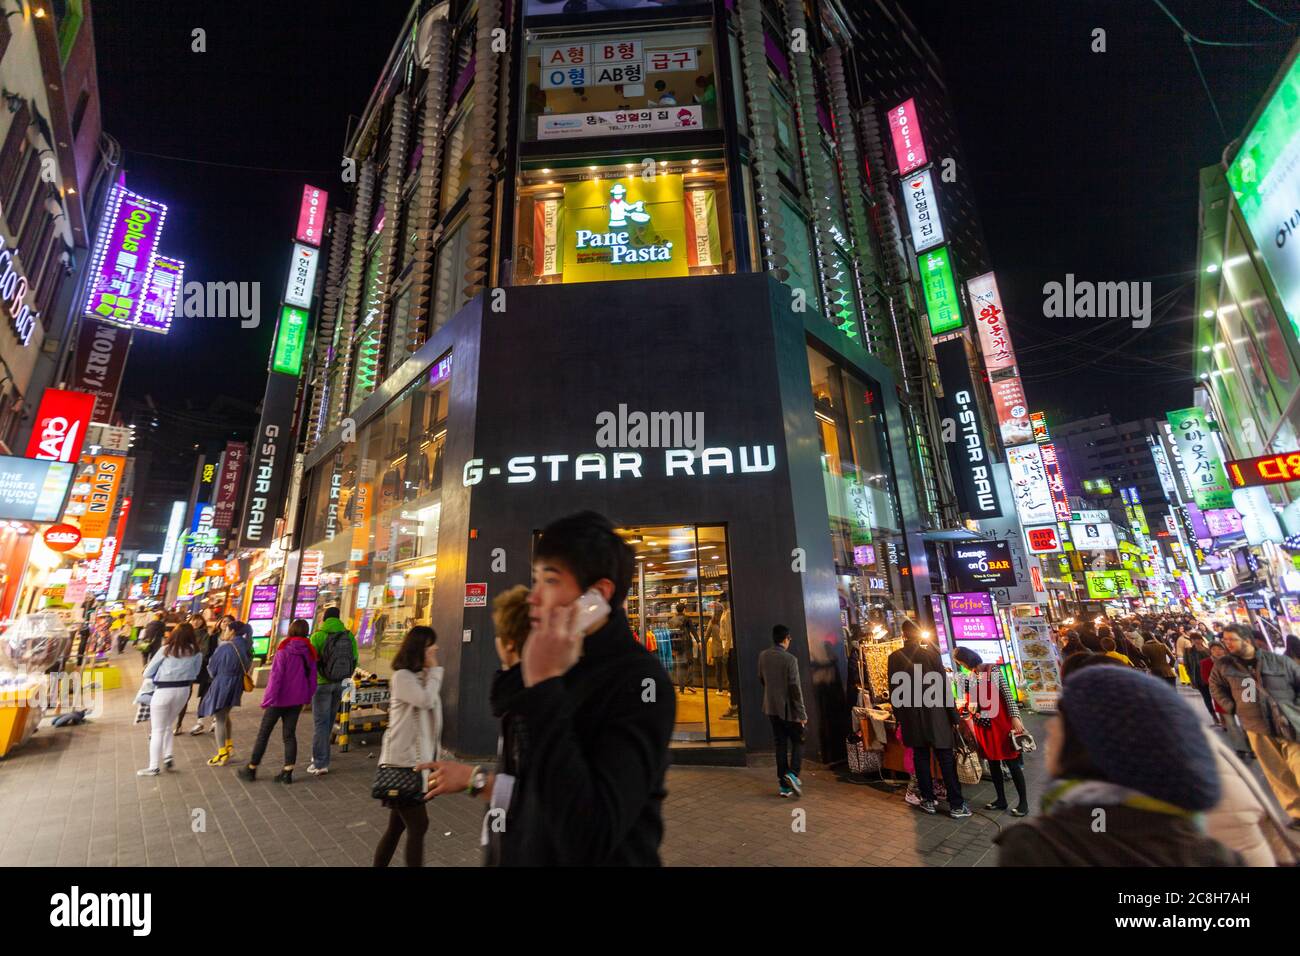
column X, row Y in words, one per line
column 336, row 659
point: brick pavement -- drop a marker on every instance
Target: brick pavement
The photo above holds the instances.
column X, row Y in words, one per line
column 70, row 797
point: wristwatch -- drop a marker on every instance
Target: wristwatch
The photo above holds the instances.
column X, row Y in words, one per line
column 478, row 781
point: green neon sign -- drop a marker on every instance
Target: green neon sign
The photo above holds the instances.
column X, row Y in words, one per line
column 941, row 302
column 290, row 340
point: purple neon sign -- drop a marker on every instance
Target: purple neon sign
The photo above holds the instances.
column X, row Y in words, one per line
column 160, row 296
column 123, row 262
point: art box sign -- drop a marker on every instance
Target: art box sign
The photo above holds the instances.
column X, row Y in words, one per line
column 61, row 425
column 99, row 363
column 124, row 258
column 905, row 129
column 1201, row 461
column 923, row 211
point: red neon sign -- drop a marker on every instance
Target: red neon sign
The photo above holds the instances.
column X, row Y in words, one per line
column 1265, row 470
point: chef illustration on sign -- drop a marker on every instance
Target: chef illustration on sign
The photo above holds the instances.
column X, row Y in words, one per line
column 620, row 210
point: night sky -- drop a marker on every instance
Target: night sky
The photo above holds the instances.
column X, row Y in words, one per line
column 1082, row 162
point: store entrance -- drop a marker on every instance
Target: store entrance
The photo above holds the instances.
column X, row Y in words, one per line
column 680, row 607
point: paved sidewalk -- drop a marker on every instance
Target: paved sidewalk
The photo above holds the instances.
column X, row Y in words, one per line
column 70, row 797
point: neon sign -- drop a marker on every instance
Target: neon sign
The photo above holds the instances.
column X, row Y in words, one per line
column 618, row 242
column 1265, row 470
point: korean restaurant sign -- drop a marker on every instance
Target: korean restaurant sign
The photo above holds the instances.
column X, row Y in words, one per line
column 311, row 215
column 302, row 276
column 290, row 341
column 923, row 211
column 995, row 337
column 123, row 260
column 904, row 126
column 1200, row 458
column 62, row 421
column 610, row 62
column 1029, row 485
column 653, row 119
column 624, row 229
column 160, row 295
column 940, row 288
column 1011, row 408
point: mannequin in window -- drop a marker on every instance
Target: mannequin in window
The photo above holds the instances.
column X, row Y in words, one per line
column 687, row 641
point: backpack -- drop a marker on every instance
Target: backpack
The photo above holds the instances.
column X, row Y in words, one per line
column 336, row 660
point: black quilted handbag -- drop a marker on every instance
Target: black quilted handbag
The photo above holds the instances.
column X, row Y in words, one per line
column 401, row 785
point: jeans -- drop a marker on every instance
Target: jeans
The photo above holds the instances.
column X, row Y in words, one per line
column 324, row 706
column 947, row 766
column 787, row 734
column 288, row 717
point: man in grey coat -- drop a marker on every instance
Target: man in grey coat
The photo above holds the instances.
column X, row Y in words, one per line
column 778, row 672
column 1263, row 690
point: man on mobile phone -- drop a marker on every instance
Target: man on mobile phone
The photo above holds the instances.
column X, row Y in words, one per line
column 598, row 709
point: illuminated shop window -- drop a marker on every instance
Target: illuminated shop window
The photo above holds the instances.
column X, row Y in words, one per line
column 631, row 219
column 619, row 82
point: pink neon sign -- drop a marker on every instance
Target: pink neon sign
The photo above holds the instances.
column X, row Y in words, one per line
column 906, row 130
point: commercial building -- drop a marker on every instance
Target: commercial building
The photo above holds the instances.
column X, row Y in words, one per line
column 649, row 262
column 1101, row 456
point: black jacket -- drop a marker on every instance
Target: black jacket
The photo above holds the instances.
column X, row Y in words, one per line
column 591, row 785
column 153, row 635
column 1065, row 836
column 922, row 722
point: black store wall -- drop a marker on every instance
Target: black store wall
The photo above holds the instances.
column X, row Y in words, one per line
column 531, row 380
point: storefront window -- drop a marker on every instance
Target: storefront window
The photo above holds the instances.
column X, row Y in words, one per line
column 626, row 82
column 649, row 218
column 374, row 514
column 458, row 159
column 680, row 607
column 871, row 560
column 449, row 294
column 798, row 250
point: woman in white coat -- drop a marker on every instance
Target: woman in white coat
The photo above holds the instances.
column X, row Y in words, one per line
column 413, row 737
column 1245, row 818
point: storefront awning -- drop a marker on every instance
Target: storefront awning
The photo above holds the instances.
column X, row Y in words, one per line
column 951, row 534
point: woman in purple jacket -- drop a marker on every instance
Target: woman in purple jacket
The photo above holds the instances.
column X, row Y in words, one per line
column 292, row 683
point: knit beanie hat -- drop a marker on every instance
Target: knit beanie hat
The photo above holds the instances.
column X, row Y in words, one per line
column 1139, row 734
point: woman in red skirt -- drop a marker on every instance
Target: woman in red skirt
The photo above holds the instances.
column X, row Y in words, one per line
column 991, row 705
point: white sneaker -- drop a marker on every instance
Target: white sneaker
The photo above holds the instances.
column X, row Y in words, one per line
column 148, row 772
column 317, row 771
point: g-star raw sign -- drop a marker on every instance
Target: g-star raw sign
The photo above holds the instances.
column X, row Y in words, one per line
column 923, row 211
column 620, row 211
column 968, row 456
column 269, row 462
column 61, row 424
column 524, row 469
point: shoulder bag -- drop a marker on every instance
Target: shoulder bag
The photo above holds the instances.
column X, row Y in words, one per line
column 248, row 670
column 403, row 786
column 969, row 768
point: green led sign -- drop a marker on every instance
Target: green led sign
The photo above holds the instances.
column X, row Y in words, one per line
column 941, row 302
column 290, row 340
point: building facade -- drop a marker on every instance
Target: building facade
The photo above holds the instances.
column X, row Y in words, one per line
column 646, row 261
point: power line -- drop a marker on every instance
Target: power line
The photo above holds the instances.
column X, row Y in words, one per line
column 1191, row 37
column 1263, row 9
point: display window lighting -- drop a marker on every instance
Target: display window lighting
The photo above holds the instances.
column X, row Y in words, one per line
column 1207, row 314
column 1212, row 268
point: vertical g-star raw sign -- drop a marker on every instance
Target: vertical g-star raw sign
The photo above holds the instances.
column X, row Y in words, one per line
column 269, row 462
column 968, row 453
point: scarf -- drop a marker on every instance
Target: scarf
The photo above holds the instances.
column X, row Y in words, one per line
column 1096, row 793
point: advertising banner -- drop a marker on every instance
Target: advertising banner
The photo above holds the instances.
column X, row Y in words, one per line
column 1200, row 458
column 1055, row 480
column 1038, row 663
column 1011, row 409
column 228, row 484
column 290, row 341
column 905, row 128
column 1093, row 537
column 548, row 226
column 311, row 215
column 654, row 119
column 975, row 629
column 62, row 420
column 1266, row 470
column 968, row 454
column 703, row 239
column 995, row 337
column 625, row 228
column 98, row 364
column 123, row 260
column 1045, row 539
column 1265, row 178
column 982, row 565
column 33, row 490
column 1029, row 486
column 269, row 462
column 940, row 288
column 166, row 282
column 923, row 211
column 976, row 603
column 105, row 480
column 363, row 507
column 302, row 276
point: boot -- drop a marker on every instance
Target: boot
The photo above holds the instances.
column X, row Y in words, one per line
column 247, row 773
column 284, row 776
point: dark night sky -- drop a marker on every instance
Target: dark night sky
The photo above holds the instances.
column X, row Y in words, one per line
column 1082, row 162
column 1087, row 163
